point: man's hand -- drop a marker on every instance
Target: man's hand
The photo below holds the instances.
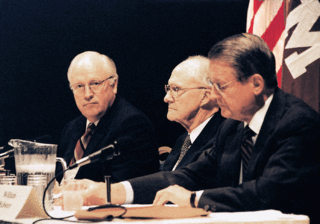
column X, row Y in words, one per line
column 94, row 193
column 176, row 194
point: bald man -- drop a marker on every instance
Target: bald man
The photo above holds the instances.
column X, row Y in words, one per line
column 188, row 95
column 107, row 117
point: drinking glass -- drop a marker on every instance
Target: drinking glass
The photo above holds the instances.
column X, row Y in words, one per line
column 39, row 183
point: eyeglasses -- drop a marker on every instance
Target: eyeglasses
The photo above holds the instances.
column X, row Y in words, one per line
column 94, row 86
column 222, row 88
column 174, row 90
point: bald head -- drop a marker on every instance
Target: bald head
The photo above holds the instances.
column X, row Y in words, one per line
column 195, row 68
column 92, row 61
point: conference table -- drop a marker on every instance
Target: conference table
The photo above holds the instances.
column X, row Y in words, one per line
column 22, row 202
column 256, row 217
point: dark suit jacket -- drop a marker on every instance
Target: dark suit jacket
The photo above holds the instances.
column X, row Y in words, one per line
column 283, row 172
column 198, row 146
column 139, row 157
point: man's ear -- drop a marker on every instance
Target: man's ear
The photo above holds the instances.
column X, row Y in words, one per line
column 258, row 84
column 206, row 98
column 114, row 85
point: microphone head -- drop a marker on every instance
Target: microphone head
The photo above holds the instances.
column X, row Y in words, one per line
column 112, row 150
column 10, row 152
column 6, row 152
column 106, row 153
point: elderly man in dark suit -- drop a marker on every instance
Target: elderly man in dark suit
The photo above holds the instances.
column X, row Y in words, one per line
column 265, row 156
column 93, row 79
column 188, row 95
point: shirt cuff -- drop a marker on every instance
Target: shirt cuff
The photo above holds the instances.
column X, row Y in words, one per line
column 198, row 196
column 129, row 192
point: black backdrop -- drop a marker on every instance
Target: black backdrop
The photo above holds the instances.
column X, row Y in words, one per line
column 146, row 39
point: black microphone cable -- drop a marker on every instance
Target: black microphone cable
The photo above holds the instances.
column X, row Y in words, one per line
column 96, row 158
column 44, row 197
column 108, row 218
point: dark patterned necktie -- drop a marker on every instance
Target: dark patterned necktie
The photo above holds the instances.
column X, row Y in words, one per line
column 185, row 146
column 82, row 143
column 246, row 147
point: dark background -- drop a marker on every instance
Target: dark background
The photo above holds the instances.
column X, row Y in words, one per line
column 146, row 39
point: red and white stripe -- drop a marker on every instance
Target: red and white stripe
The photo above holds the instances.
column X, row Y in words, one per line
column 266, row 18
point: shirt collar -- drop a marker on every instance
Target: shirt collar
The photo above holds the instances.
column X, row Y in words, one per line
column 95, row 123
column 258, row 118
column 196, row 132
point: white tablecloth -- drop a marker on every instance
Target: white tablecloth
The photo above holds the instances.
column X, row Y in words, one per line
column 258, row 217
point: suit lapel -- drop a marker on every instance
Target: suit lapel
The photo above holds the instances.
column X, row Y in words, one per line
column 209, row 130
column 101, row 129
column 77, row 131
column 175, row 153
column 230, row 155
column 270, row 122
column 97, row 136
column 205, row 135
column 80, row 128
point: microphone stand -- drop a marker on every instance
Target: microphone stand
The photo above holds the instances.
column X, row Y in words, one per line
column 108, row 204
column 103, row 155
column 108, row 188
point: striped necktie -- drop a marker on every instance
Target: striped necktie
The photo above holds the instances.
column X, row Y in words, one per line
column 246, row 147
column 82, row 143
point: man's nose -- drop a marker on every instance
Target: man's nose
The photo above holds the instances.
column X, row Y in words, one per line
column 168, row 97
column 88, row 93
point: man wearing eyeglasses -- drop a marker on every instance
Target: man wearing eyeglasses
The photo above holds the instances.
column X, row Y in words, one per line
column 106, row 117
column 190, row 103
column 265, row 155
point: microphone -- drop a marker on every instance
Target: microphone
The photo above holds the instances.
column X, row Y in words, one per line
column 7, row 154
column 6, row 151
column 106, row 153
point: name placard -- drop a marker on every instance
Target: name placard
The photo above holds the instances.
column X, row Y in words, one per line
column 19, row 202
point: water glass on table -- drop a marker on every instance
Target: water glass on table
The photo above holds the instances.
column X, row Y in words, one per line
column 39, row 183
column 72, row 198
column 8, row 180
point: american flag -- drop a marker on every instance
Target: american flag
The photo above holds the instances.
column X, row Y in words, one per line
column 301, row 67
column 266, row 18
